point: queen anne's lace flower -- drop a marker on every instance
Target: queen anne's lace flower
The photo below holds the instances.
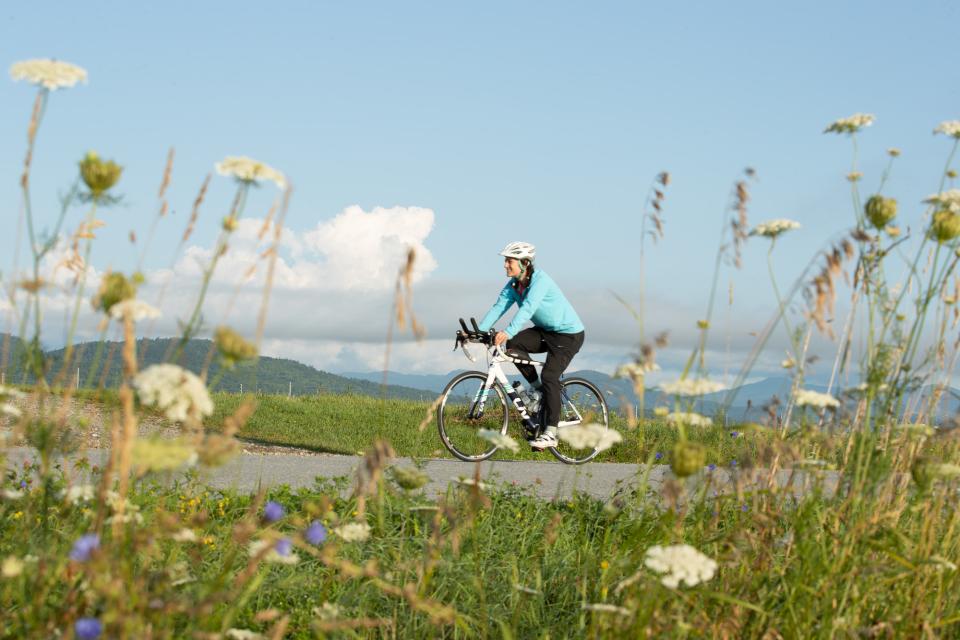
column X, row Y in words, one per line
column 808, row 398
column 590, row 436
column 185, row 535
column 280, row 551
column 49, row 74
column 680, row 563
column 949, row 128
column 470, row 482
column 773, row 228
column 949, row 200
column 244, row 634
column 175, row 391
column 353, row 531
column 80, row 493
column 692, row 419
column 500, row 439
column 852, row 124
column 249, row 170
column 635, row 370
column 690, row 387
column 136, row 309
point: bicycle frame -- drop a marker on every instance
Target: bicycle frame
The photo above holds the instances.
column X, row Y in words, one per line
column 495, row 374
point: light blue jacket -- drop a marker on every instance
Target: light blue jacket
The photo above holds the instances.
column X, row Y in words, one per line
column 542, row 302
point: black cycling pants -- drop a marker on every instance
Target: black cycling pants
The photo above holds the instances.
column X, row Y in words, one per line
column 560, row 349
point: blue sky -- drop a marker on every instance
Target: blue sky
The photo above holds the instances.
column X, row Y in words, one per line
column 537, row 121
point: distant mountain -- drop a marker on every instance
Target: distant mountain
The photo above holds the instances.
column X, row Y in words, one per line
column 100, row 363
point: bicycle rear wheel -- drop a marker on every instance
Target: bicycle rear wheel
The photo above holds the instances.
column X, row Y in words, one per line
column 465, row 409
column 581, row 403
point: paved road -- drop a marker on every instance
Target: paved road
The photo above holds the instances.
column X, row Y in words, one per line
column 248, row 472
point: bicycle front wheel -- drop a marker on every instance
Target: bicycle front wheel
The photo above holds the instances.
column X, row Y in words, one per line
column 465, row 409
column 581, row 403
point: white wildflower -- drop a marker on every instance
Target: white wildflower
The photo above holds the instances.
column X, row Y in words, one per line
column 949, row 200
column 125, row 518
column 502, row 440
column 852, row 124
column 692, row 419
column 635, row 370
column 590, row 436
column 9, row 393
column 80, row 493
column 11, row 494
column 690, row 387
column 8, row 409
column 328, row 611
column 470, row 482
column 249, row 170
column 49, row 74
column 942, row 564
column 353, row 531
column 815, row 399
column 680, row 563
column 12, row 567
column 244, row 634
column 273, row 555
column 177, row 392
column 603, row 607
column 185, row 535
column 788, row 363
column 949, row 128
column 136, row 309
column 773, row 228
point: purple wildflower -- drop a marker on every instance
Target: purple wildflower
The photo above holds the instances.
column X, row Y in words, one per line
column 316, row 533
column 658, row 456
column 84, row 546
column 744, row 507
column 711, row 467
column 272, row 511
column 733, row 463
column 734, row 434
column 88, row 628
column 283, row 546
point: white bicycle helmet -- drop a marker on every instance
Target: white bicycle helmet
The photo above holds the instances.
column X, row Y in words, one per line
column 519, row 250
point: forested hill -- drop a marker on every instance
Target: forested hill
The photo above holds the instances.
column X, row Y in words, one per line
column 101, row 362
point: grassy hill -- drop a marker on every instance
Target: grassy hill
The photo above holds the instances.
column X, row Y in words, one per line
column 99, row 365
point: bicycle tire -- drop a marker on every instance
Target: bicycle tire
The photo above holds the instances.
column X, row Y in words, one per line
column 582, row 405
column 459, row 432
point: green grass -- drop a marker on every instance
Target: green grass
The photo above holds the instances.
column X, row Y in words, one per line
column 503, row 564
column 348, row 424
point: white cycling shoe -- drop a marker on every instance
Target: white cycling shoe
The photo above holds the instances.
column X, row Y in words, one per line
column 544, row 441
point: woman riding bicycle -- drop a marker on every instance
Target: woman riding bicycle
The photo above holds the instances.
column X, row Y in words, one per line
column 556, row 330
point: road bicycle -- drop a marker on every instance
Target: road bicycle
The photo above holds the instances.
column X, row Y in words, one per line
column 474, row 401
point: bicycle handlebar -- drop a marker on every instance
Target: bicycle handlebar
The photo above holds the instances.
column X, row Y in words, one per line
column 475, row 335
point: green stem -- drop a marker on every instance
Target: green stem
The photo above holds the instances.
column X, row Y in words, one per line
column 191, row 327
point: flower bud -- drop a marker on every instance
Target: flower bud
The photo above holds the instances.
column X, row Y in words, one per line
column 114, row 288
column 99, row 175
column 410, row 478
column 880, row 211
column 232, row 346
column 945, row 226
column 688, row 458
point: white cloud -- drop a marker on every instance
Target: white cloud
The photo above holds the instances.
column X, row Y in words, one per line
column 354, row 251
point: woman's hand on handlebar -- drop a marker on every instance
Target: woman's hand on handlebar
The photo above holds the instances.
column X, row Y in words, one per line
column 500, row 339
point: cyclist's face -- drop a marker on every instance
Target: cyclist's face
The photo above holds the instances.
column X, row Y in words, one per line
column 512, row 267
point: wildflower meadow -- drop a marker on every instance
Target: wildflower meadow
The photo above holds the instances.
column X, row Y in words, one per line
column 842, row 520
